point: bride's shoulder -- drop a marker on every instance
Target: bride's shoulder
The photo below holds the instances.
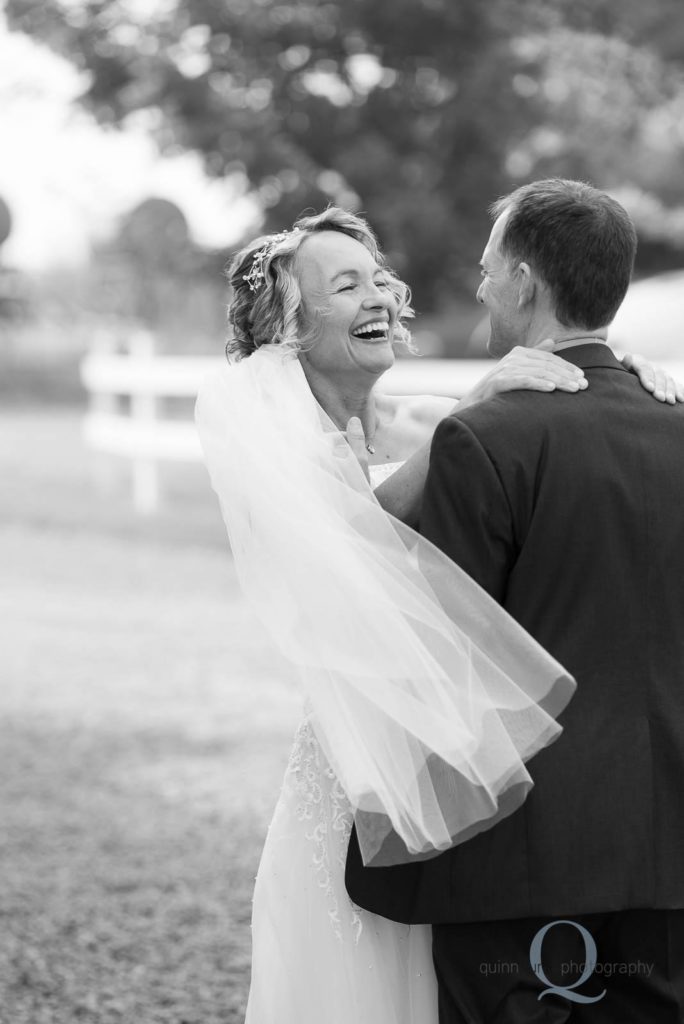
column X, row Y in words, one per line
column 414, row 417
column 420, row 410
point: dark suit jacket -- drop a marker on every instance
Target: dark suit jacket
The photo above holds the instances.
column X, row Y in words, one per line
column 569, row 510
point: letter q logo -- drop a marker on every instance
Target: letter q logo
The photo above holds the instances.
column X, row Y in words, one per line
column 567, row 991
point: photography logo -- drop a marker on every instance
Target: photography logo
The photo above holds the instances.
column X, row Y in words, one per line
column 588, row 965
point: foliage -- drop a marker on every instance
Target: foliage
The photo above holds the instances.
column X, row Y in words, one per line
column 153, row 275
column 419, row 112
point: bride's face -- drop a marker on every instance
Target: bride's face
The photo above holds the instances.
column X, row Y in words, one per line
column 348, row 305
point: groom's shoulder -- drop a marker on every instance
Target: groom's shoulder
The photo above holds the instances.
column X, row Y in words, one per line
column 507, row 413
column 514, row 421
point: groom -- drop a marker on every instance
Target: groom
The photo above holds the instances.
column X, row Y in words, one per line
column 569, row 511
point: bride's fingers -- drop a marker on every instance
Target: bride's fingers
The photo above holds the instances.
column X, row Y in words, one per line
column 667, row 386
column 674, row 392
column 537, row 359
column 578, row 384
column 661, row 385
column 650, row 378
column 357, row 442
column 654, row 380
column 557, row 372
column 536, row 382
column 529, row 369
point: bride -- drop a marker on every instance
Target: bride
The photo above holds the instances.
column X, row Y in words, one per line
column 422, row 698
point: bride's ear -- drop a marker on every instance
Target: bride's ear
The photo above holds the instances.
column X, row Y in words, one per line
column 526, row 285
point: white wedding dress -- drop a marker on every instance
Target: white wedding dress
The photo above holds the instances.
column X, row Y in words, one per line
column 316, row 957
column 424, row 699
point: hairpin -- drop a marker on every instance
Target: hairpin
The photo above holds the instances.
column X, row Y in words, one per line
column 255, row 275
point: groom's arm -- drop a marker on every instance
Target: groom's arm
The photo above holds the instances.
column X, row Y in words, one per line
column 466, row 512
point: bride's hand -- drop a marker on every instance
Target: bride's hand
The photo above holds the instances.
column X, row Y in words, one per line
column 356, row 439
column 531, row 369
column 661, row 385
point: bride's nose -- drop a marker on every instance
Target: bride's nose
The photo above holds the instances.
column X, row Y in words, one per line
column 377, row 298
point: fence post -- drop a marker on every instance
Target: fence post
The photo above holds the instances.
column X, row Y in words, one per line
column 103, row 403
column 144, row 413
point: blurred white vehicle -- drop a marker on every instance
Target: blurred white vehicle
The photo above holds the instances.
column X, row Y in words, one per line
column 651, row 319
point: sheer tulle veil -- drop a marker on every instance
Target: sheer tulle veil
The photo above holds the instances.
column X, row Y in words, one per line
column 428, row 698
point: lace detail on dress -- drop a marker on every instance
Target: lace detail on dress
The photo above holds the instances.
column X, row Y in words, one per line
column 381, row 472
column 324, row 803
column 322, row 800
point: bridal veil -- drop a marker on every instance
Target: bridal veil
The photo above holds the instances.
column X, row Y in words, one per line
column 428, row 697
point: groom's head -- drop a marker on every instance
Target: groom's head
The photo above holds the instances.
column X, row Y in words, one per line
column 560, row 255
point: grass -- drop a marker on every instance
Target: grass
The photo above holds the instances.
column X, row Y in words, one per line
column 145, row 724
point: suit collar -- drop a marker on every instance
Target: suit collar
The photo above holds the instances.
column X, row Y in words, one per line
column 593, row 354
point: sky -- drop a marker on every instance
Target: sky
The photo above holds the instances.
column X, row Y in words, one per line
column 67, row 180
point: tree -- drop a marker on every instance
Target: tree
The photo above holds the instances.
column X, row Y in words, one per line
column 377, row 104
column 418, row 112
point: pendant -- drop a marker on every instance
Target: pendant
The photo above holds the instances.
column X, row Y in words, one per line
column 370, row 449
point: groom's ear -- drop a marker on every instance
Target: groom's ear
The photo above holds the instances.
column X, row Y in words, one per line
column 527, row 285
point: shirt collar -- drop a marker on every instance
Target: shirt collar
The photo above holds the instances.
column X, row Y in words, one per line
column 574, row 342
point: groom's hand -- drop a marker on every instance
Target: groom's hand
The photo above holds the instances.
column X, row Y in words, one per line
column 530, row 369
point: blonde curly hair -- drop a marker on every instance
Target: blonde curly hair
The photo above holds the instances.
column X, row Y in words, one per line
column 272, row 313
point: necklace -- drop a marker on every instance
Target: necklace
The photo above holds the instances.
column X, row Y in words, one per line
column 370, row 447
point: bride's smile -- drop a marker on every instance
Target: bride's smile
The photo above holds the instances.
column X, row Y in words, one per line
column 349, row 304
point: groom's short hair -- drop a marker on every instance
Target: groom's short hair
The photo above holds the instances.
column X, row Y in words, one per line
column 581, row 242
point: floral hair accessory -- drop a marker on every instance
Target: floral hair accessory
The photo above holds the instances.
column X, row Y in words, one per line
column 255, row 276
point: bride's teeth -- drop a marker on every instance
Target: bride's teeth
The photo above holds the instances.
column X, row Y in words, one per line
column 370, row 328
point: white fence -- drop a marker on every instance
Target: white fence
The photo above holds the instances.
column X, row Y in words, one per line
column 144, row 437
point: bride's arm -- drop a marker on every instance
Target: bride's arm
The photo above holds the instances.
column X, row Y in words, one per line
column 402, row 493
column 532, row 369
